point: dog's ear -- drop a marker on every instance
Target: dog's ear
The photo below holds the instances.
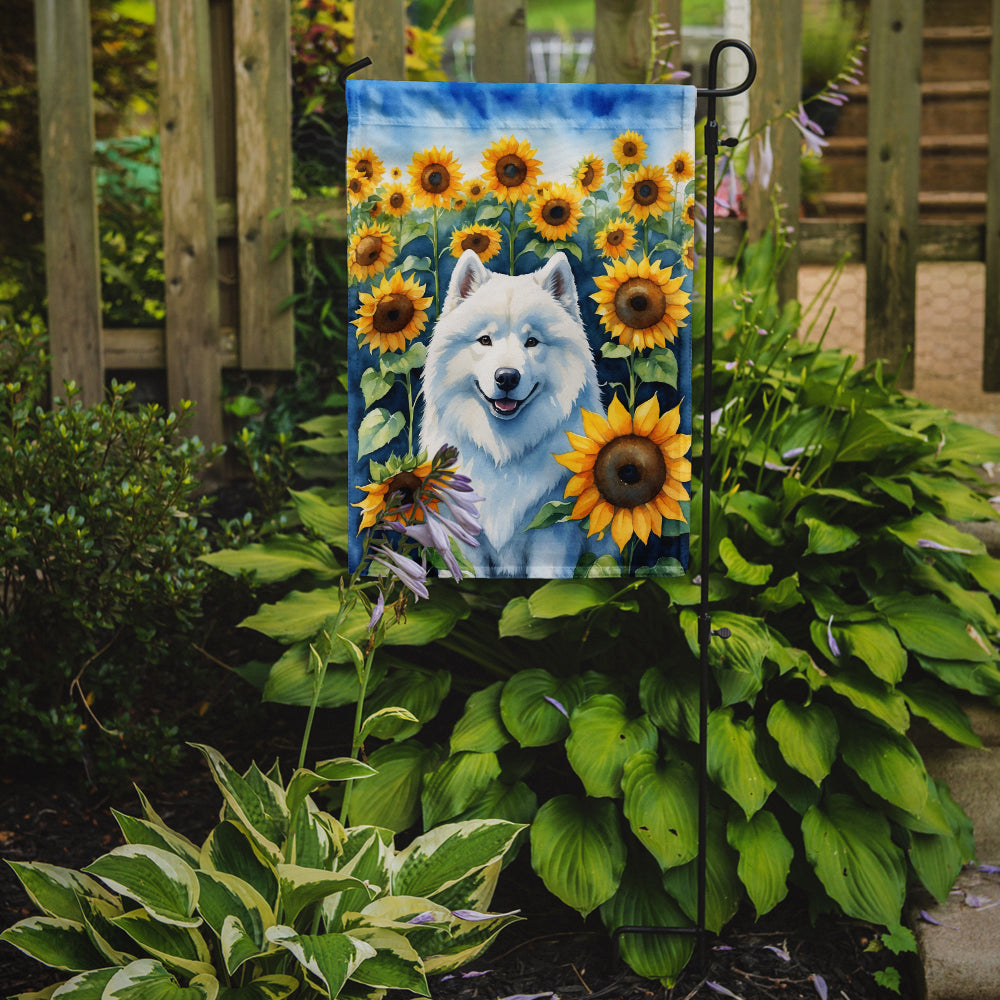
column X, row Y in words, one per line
column 469, row 276
column 557, row 279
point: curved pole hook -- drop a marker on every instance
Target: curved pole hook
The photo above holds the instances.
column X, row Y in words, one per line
column 713, row 69
column 353, row 68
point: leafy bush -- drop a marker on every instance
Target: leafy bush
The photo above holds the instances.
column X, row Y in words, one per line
column 99, row 542
column 854, row 604
column 279, row 899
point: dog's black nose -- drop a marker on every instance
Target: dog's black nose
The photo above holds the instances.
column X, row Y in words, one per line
column 507, row 378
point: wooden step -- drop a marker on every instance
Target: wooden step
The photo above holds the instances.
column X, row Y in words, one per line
column 957, row 206
column 944, row 12
column 956, row 53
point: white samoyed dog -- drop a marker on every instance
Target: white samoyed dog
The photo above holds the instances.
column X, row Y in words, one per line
column 508, row 370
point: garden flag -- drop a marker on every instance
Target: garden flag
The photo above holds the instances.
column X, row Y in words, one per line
column 520, row 269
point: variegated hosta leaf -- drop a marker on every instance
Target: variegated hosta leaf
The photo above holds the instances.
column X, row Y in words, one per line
column 230, row 849
column 391, row 799
column 578, row 851
column 456, row 784
column 367, row 853
column 441, row 857
column 395, row 964
column 765, row 858
column 329, row 959
column 661, row 805
column 732, row 760
column 602, row 737
column 315, row 838
column 481, row 727
column 476, row 890
column 56, row 891
column 158, row 880
column 888, row 763
column 301, row 887
column 850, row 847
column 807, row 736
column 54, row 941
column 86, row 986
column 304, row 782
column 467, row 940
column 141, row 831
column 642, row 902
column 116, row 947
column 274, row 987
column 147, row 979
column 225, row 897
column 535, row 706
column 177, row 947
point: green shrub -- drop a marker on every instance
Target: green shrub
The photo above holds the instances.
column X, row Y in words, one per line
column 101, row 584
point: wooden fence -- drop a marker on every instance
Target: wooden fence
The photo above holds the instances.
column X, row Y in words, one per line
column 226, row 161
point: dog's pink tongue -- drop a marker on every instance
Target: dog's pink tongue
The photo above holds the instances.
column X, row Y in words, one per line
column 505, row 405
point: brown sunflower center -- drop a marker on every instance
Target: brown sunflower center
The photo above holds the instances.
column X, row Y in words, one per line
column 357, row 184
column 368, row 251
column 556, row 212
column 434, row 178
column 511, row 170
column 393, row 313
column 364, row 167
column 629, row 471
column 615, row 238
column 397, row 199
column 679, row 167
column 645, row 192
column 630, row 148
column 479, row 242
column 406, row 484
column 640, row 303
column 588, row 176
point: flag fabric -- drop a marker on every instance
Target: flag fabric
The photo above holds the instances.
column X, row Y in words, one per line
column 520, row 263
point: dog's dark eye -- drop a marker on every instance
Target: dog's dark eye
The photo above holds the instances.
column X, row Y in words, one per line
column 485, row 341
column 531, row 342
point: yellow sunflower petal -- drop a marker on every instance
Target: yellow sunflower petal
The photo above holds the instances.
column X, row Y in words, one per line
column 619, row 419
column 584, row 444
column 575, row 461
column 596, row 427
column 621, row 527
column 641, row 522
column 645, row 417
column 600, row 517
column 585, row 503
column 667, row 425
column 578, row 484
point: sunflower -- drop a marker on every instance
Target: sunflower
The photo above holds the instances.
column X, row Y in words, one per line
column 647, row 193
column 364, row 161
column 396, row 173
column 589, row 173
column 555, row 213
column 510, row 169
column 397, row 200
column 640, row 304
column 485, row 240
column 681, row 167
column 629, row 147
column 688, row 214
column 687, row 253
column 434, row 177
column 392, row 314
column 628, row 471
column 359, row 188
column 369, row 252
column 406, row 483
column 616, row 239
column 474, row 190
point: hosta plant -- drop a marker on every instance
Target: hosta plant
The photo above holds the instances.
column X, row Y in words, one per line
column 279, row 900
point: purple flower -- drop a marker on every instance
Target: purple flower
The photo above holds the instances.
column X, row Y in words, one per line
column 831, row 642
column 820, row 983
column 760, row 165
column 719, row 988
column 411, row 574
column 927, row 543
column 427, row 917
column 377, row 612
column 811, row 132
column 558, row 705
column 475, row 915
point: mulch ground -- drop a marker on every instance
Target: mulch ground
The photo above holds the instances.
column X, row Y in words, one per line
column 550, row 953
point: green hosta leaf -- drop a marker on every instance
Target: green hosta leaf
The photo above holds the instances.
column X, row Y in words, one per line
column 230, row 849
column 641, row 901
column 515, row 803
column 530, row 706
column 438, row 859
column 827, row 539
column 328, row 520
column 965, row 443
column 957, row 501
column 602, row 738
column 783, row 595
column 765, row 858
column 850, row 848
column 866, row 692
column 279, row 558
column 870, row 436
column 147, row 979
column 661, row 799
column 738, row 569
column 159, row 881
column 986, row 572
column 578, row 851
column 937, row 859
column 330, row 959
column 56, row 891
column 274, row 987
column 671, row 700
column 54, row 941
column 760, row 512
column 395, row 964
column 928, row 528
column 304, row 782
column 941, row 709
column 391, row 798
column 723, row 889
column 226, row 898
column 888, row 763
column 807, row 736
column 732, row 760
column 417, row 690
column 976, row 678
column 377, row 429
column 738, row 661
column 292, row 679
column 456, row 784
column 932, row 628
column 481, row 728
column 876, row 646
column 385, row 723
column 975, row 605
column 517, row 620
column 559, row 598
column 301, row 887
column 893, row 488
column 180, row 948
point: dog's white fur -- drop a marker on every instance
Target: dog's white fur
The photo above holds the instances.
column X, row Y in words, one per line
column 508, row 370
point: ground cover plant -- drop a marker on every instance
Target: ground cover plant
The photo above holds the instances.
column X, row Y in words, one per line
column 854, row 605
